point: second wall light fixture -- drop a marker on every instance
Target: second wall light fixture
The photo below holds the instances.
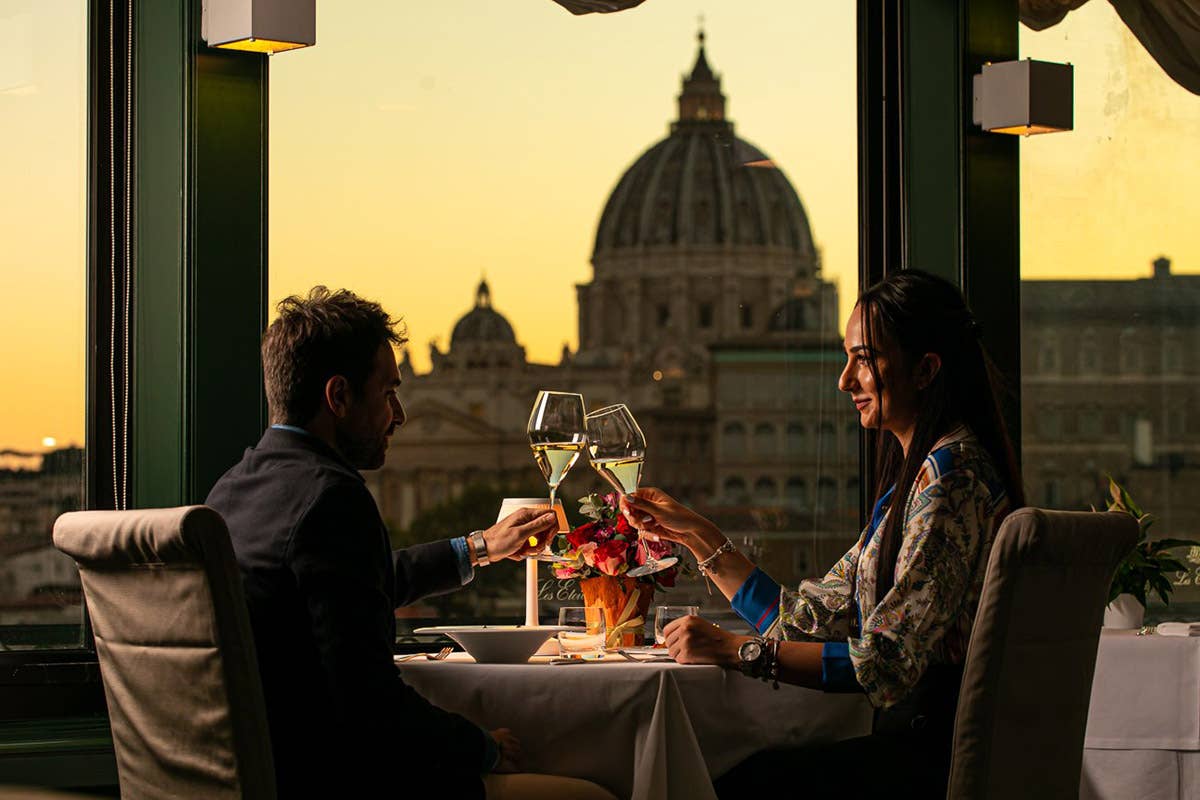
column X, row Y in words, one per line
column 1025, row 97
column 259, row 26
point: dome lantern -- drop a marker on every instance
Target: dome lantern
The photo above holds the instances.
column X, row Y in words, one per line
column 701, row 99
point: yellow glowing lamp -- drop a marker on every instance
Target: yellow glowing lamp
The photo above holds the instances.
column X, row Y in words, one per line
column 259, row 26
column 1025, row 97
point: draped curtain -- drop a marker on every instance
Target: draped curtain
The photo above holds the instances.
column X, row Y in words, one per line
column 1168, row 29
column 597, row 6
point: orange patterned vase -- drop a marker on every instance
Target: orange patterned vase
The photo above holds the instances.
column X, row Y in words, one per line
column 626, row 620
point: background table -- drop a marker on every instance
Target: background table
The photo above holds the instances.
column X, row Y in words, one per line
column 1143, row 733
column 651, row 730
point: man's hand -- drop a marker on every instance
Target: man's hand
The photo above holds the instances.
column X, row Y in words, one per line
column 692, row 640
column 510, row 751
column 510, row 537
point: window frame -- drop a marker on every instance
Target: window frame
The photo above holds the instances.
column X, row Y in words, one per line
column 913, row 191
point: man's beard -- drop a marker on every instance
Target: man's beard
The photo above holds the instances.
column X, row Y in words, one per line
column 363, row 452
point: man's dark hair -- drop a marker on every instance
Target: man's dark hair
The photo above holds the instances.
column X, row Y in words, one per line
column 315, row 338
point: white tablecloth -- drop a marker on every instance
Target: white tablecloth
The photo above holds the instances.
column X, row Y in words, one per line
column 642, row 730
column 1143, row 732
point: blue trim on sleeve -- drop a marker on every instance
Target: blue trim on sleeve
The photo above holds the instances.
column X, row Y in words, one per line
column 462, row 554
column 837, row 671
column 757, row 600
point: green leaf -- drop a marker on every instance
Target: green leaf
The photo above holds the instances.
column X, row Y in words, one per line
column 1170, row 544
column 1171, row 564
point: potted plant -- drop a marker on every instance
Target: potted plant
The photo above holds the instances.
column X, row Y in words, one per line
column 601, row 552
column 1145, row 568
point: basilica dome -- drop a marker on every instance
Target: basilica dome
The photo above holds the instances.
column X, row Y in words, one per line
column 482, row 324
column 703, row 186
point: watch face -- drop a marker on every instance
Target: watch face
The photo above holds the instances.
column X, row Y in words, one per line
column 750, row 651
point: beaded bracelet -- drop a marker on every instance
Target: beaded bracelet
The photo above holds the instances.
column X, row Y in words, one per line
column 705, row 565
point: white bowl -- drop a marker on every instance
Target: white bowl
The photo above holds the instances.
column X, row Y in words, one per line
column 497, row 644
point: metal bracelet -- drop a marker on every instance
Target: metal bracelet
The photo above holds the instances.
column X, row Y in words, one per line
column 478, row 547
column 726, row 547
column 773, row 666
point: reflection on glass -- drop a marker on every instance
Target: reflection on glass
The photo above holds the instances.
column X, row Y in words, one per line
column 693, row 255
column 43, row 94
column 1109, row 322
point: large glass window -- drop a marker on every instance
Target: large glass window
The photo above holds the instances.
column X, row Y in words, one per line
column 1111, row 300
column 42, row 314
column 581, row 203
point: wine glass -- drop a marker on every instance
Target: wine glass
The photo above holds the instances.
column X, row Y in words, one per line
column 617, row 449
column 557, row 435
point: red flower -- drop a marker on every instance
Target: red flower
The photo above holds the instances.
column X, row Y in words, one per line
column 582, row 535
column 657, row 548
column 666, row 578
column 610, row 556
column 623, row 526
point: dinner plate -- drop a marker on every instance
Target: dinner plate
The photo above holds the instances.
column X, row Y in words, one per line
column 497, row 644
column 646, row 651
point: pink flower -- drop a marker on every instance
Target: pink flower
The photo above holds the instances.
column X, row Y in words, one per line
column 565, row 573
column 610, row 556
column 587, row 552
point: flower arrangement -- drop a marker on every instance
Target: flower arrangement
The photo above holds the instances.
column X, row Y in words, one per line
column 608, row 545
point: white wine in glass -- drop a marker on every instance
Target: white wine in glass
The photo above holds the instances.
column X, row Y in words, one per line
column 557, row 434
column 617, row 448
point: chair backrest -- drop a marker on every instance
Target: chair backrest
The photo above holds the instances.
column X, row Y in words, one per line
column 1023, row 706
column 176, row 652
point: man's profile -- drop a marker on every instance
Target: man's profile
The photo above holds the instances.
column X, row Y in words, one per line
column 320, row 578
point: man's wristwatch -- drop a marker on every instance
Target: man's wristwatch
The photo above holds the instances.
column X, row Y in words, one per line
column 752, row 656
column 478, row 547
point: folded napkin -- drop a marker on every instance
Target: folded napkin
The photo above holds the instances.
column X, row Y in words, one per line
column 1178, row 629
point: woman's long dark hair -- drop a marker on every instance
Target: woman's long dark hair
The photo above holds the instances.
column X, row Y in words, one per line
column 918, row 313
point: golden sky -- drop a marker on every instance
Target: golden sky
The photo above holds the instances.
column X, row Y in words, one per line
column 419, row 146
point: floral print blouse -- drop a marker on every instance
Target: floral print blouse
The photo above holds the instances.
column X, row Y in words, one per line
column 882, row 645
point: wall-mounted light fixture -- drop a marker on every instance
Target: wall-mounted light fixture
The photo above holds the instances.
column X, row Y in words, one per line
column 1025, row 97
column 259, row 26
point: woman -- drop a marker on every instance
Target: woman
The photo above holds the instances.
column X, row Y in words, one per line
column 893, row 617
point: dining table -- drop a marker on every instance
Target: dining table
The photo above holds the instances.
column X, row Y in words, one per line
column 642, row 729
column 1143, row 730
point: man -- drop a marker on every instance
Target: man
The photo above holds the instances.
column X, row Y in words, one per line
column 321, row 581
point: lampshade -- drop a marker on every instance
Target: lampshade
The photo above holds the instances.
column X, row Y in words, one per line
column 259, row 26
column 1025, row 97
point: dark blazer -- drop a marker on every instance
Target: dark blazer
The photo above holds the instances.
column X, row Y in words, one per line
column 322, row 583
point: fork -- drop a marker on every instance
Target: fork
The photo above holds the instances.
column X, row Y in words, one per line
column 440, row 655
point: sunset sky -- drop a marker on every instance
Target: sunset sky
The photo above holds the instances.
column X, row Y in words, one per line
column 419, row 146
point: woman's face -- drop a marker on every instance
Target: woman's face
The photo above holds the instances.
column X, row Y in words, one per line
column 895, row 403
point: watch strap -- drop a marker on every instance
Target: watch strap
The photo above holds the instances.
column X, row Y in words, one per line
column 478, row 548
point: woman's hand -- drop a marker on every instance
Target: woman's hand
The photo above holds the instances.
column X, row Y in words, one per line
column 656, row 514
column 692, row 640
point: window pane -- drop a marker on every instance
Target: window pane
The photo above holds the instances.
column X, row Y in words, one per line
column 42, row 315
column 1110, row 295
column 549, row 206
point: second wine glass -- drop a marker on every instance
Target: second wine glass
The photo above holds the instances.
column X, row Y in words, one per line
column 617, row 448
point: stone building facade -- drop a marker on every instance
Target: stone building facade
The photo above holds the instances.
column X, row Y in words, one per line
column 706, row 314
column 1111, row 386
